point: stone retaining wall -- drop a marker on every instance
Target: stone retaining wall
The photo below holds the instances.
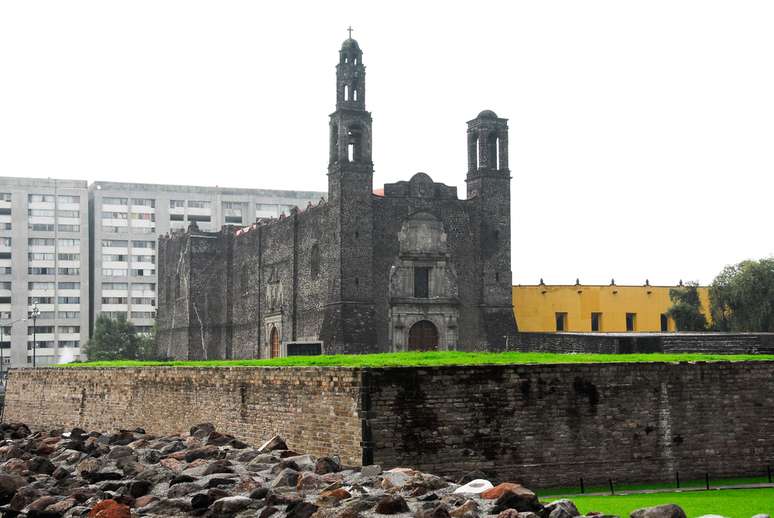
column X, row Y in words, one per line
column 622, row 343
column 300, row 404
column 544, row 425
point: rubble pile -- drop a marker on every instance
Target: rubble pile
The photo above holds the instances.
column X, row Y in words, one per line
column 76, row 473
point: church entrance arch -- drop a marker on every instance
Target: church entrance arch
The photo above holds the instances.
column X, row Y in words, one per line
column 423, row 336
column 274, row 341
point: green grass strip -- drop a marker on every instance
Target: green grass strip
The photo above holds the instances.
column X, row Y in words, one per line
column 432, row 359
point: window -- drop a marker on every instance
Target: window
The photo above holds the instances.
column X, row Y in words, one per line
column 143, row 286
column 40, row 285
column 68, row 213
column 69, row 285
column 69, row 257
column 198, row 204
column 69, row 242
column 70, row 315
column 631, row 321
column 144, row 244
column 41, row 330
column 69, row 300
column 144, row 202
column 233, row 219
column 143, row 314
column 114, row 215
column 5, row 241
column 5, row 270
column 237, row 205
column 143, row 272
column 5, row 211
column 69, row 329
column 114, row 258
column 196, row 217
column 40, row 198
column 114, row 300
column 144, row 230
column 115, row 201
column 69, row 228
column 421, row 282
column 150, row 301
column 176, row 204
column 41, row 227
column 175, row 217
column 144, row 259
column 40, row 256
column 69, row 343
column 41, row 213
column 64, row 198
column 40, row 270
column 114, row 286
column 561, row 321
column 69, row 271
column 5, row 196
column 5, row 300
column 114, row 272
column 5, row 285
column 5, row 255
column 115, row 243
column 145, row 216
column 40, row 241
column 664, row 322
column 44, row 315
column 314, row 261
column 5, row 226
column 596, row 322
column 113, row 229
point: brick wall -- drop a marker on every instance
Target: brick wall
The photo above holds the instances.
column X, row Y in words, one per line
column 713, row 343
column 543, row 425
column 546, row 425
column 315, row 410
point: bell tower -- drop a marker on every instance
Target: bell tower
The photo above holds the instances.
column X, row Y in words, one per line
column 489, row 185
column 348, row 325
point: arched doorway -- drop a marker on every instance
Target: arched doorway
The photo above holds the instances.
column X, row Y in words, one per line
column 423, row 336
column 274, row 340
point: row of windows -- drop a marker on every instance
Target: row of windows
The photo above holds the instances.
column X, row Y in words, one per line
column 49, row 227
column 50, row 241
column 140, row 286
column 49, row 213
column 47, row 256
column 50, row 300
column 134, row 314
column 129, row 215
column 120, row 258
column 144, row 202
column 37, row 285
column 124, row 300
column 50, row 270
column 123, row 243
column 42, row 330
column 122, row 272
column 116, row 229
column 52, row 315
column 596, row 322
column 48, row 198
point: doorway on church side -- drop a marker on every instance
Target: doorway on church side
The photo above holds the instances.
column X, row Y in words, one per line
column 423, row 336
column 274, row 340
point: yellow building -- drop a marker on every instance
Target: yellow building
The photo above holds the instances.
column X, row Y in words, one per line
column 594, row 308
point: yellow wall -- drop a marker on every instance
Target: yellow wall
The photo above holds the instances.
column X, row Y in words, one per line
column 535, row 307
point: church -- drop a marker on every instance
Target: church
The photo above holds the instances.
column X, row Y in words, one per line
column 410, row 268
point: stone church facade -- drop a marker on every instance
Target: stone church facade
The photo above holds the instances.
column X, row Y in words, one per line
column 413, row 269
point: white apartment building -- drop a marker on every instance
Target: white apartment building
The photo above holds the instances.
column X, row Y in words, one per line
column 77, row 251
column 127, row 218
column 44, row 261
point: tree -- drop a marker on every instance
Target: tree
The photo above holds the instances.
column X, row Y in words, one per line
column 742, row 297
column 686, row 308
column 113, row 339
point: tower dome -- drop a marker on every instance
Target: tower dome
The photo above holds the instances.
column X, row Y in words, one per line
column 350, row 43
column 487, row 114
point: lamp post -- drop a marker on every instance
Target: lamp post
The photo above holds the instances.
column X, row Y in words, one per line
column 2, row 329
column 34, row 314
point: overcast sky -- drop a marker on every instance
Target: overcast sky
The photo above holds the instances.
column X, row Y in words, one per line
column 641, row 133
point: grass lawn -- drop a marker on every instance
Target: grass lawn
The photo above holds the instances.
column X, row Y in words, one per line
column 548, row 493
column 432, row 359
column 733, row 503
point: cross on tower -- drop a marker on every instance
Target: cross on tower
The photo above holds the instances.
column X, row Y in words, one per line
column 349, row 29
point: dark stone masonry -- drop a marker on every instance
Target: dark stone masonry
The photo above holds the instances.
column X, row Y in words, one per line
column 412, row 268
column 541, row 425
